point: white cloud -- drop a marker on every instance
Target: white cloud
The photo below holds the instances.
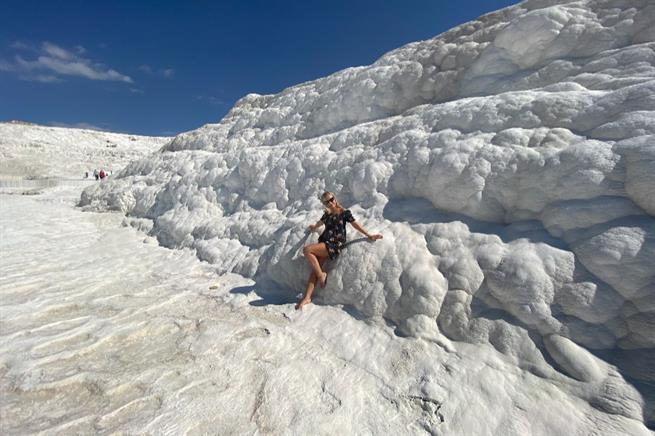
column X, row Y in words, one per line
column 6, row 66
column 165, row 72
column 43, row 78
column 57, row 52
column 19, row 45
column 145, row 68
column 53, row 62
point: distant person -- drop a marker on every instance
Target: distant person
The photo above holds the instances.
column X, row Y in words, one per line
column 330, row 243
column 96, row 174
column 102, row 174
column 86, row 174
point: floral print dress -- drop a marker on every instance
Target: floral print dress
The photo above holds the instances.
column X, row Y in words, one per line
column 334, row 235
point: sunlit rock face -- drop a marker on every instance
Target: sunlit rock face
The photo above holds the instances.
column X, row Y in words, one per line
column 509, row 163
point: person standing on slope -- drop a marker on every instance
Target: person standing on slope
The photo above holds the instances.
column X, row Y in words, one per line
column 330, row 243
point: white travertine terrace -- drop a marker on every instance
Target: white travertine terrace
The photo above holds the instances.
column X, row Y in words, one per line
column 509, row 163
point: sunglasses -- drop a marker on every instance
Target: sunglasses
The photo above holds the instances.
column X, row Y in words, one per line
column 328, row 201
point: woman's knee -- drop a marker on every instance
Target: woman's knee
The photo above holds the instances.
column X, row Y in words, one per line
column 318, row 250
column 314, row 249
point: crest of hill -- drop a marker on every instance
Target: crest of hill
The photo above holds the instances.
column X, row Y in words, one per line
column 33, row 151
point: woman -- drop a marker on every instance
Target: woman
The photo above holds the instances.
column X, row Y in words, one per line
column 330, row 242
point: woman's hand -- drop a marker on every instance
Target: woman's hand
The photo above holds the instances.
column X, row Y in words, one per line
column 374, row 237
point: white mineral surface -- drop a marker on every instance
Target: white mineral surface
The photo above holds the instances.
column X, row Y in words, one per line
column 30, row 151
column 509, row 164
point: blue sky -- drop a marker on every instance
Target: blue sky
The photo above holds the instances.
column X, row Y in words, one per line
column 163, row 67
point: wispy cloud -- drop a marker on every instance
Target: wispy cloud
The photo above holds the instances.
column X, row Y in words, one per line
column 19, row 45
column 43, row 78
column 168, row 73
column 5, row 66
column 50, row 62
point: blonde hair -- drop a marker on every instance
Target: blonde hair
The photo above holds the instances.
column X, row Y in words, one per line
column 327, row 194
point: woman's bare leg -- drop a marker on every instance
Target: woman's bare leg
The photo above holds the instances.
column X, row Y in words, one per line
column 313, row 253
column 309, row 290
column 311, row 285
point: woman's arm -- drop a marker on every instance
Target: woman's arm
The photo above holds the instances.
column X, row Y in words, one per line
column 314, row 227
column 363, row 231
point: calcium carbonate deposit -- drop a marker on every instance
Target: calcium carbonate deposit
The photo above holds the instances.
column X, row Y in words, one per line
column 30, row 151
column 509, row 164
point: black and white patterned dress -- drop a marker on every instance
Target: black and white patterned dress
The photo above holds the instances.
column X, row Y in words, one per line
column 334, row 235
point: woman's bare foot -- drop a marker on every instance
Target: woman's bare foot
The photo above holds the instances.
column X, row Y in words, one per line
column 323, row 280
column 302, row 303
